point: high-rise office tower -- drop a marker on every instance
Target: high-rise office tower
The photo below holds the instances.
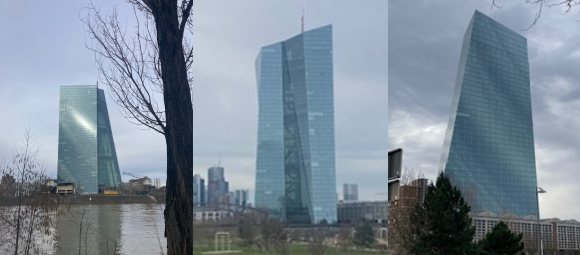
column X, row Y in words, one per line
column 198, row 190
column 295, row 167
column 217, row 186
column 488, row 151
column 86, row 150
column 242, row 197
column 349, row 192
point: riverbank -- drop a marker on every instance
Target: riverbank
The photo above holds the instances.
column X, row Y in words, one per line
column 120, row 199
column 96, row 199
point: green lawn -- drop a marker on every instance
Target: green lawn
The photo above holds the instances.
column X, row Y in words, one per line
column 293, row 249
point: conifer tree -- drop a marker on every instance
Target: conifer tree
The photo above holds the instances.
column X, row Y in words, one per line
column 501, row 241
column 442, row 225
column 363, row 235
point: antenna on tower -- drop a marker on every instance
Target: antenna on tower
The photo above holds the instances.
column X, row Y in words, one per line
column 220, row 159
column 302, row 20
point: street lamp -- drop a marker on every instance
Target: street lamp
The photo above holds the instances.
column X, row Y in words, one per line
column 540, row 243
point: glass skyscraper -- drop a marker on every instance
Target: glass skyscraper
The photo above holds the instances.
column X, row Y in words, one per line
column 86, row 150
column 488, row 151
column 295, row 168
column 349, row 192
column 198, row 191
column 217, row 186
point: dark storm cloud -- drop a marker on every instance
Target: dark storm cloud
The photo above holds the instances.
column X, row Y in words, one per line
column 42, row 46
column 424, row 48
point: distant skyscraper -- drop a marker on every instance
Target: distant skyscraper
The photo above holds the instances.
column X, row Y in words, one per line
column 198, row 190
column 350, row 192
column 217, row 187
column 489, row 146
column 295, row 168
column 86, row 150
column 242, row 197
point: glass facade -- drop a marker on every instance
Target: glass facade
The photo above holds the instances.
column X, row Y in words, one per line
column 198, row 191
column 295, row 168
column 349, row 192
column 107, row 158
column 217, row 186
column 488, row 151
column 86, row 150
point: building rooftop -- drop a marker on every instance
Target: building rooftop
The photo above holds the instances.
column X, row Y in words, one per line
column 525, row 218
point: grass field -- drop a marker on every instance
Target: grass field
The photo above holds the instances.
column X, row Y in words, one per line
column 293, row 249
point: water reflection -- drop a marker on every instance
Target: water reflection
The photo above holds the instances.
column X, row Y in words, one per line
column 106, row 229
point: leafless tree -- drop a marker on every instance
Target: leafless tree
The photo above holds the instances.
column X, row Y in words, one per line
column 273, row 237
column 409, row 175
column 317, row 243
column 115, row 247
column 28, row 209
column 154, row 61
column 82, row 217
column 248, row 228
column 345, row 238
column 568, row 4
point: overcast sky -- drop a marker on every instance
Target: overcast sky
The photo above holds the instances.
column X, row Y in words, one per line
column 425, row 40
column 42, row 47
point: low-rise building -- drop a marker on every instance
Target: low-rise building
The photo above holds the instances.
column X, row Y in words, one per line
column 205, row 215
column 65, row 188
column 399, row 214
column 352, row 212
column 554, row 235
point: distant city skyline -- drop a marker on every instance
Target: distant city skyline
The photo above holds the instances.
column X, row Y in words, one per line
column 38, row 57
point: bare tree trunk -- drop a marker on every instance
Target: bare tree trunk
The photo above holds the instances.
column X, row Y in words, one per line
column 81, row 230
column 18, row 222
column 20, row 194
column 179, row 128
column 155, row 61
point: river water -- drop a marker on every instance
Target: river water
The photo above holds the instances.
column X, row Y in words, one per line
column 102, row 229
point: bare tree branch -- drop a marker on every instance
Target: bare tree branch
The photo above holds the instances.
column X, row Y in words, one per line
column 130, row 65
column 494, row 4
column 569, row 4
column 184, row 16
column 28, row 211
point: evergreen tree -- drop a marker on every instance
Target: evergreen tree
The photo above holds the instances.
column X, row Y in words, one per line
column 442, row 224
column 501, row 241
column 363, row 235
